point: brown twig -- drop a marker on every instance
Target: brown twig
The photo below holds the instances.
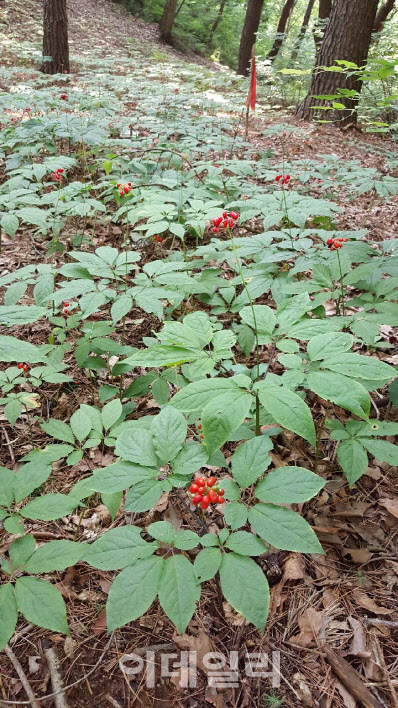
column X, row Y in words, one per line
column 22, row 677
column 351, row 679
column 60, row 699
column 55, row 693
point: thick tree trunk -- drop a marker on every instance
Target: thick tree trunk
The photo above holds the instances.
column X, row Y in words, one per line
column 347, row 36
column 248, row 37
column 303, row 30
column 55, row 37
column 280, row 30
column 383, row 14
column 325, row 8
column 216, row 22
column 167, row 21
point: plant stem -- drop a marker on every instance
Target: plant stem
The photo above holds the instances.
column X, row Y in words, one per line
column 341, row 284
column 242, row 277
column 79, row 523
column 29, row 426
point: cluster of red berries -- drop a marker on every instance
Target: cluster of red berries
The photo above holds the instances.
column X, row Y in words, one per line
column 24, row 367
column 334, row 243
column 65, row 308
column 158, row 239
column 283, row 179
column 225, row 221
column 64, row 96
column 124, row 188
column 57, row 175
column 205, row 492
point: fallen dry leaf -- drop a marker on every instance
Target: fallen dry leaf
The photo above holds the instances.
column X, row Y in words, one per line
column 310, row 624
column 173, row 517
column 293, row 568
column 201, row 644
column 233, row 617
column 349, row 701
column 162, row 503
column 358, row 645
column 357, row 555
column 367, row 603
column 214, row 698
column 99, row 625
column 69, row 647
column 303, row 690
column 391, row 505
column 374, row 665
column 105, row 585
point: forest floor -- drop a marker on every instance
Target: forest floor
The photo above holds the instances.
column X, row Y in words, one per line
column 346, row 598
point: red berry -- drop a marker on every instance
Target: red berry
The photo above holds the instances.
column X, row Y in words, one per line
column 224, row 215
column 199, row 425
column 212, row 496
column 205, row 502
column 225, row 223
column 211, row 481
column 220, row 500
column 231, row 223
column 278, row 177
column 193, row 488
column 200, row 481
column 215, row 230
column 220, row 492
column 217, row 220
column 25, row 367
column 20, row 366
column 234, row 215
column 197, row 499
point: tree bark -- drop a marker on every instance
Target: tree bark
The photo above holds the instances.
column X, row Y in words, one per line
column 303, row 30
column 280, row 30
column 248, row 37
column 216, row 22
column 347, row 36
column 55, row 37
column 167, row 21
column 383, row 14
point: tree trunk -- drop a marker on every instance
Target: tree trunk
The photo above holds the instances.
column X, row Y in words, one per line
column 248, row 37
column 347, row 36
column 167, row 21
column 303, row 30
column 216, row 22
column 383, row 14
column 325, row 8
column 55, row 37
column 280, row 30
